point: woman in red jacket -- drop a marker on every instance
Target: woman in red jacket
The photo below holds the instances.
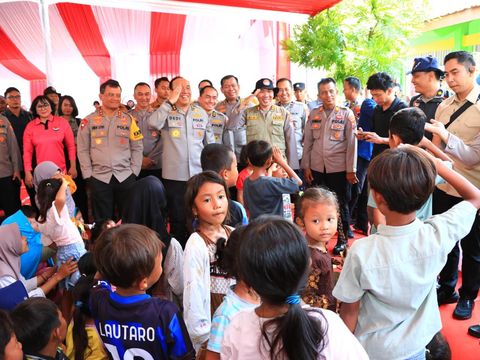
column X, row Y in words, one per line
column 46, row 137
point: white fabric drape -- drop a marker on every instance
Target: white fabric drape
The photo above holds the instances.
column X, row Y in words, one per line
column 126, row 34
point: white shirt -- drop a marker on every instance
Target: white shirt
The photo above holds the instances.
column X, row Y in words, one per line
column 242, row 338
column 59, row 228
column 393, row 274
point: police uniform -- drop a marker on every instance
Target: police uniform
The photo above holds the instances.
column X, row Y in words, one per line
column 428, row 106
column 274, row 126
column 218, row 122
column 330, row 151
column 10, row 162
column 464, row 146
column 299, row 118
column 184, row 135
column 110, row 153
column 235, row 135
column 152, row 142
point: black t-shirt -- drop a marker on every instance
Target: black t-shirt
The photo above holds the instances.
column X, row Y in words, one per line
column 18, row 124
column 381, row 122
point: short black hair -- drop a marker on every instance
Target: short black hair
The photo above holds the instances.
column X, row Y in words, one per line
column 170, row 85
column 141, row 84
column 126, row 254
column 354, row 82
column 34, row 321
column 216, row 157
column 404, row 176
column 259, row 152
column 29, row 211
column 204, row 80
column 110, row 83
column 284, row 79
column 463, row 57
column 41, row 99
column 9, row 90
column 380, row 81
column 409, row 125
column 160, row 79
column 72, row 102
column 202, row 90
column 227, row 77
column 6, row 331
column 326, row 81
column 96, row 102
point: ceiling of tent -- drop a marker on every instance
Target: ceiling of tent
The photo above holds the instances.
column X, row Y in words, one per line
column 75, row 45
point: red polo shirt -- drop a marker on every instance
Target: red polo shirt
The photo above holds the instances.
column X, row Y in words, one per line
column 48, row 142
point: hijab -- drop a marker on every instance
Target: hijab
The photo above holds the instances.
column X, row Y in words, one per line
column 46, row 170
column 147, row 205
column 31, row 259
column 10, row 251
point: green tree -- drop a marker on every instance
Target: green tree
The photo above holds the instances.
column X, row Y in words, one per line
column 358, row 37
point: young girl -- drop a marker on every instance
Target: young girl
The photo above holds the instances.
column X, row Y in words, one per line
column 239, row 297
column 273, row 260
column 317, row 213
column 205, row 284
column 56, row 226
column 83, row 341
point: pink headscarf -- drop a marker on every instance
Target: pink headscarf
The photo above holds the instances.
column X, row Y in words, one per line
column 10, row 251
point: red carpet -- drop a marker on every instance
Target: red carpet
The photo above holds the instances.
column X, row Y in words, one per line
column 463, row 346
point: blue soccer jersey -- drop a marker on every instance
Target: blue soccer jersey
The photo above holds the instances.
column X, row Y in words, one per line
column 139, row 327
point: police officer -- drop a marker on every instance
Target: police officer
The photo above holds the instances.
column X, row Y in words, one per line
column 300, row 92
column 218, row 120
column 426, row 76
column 152, row 143
column 271, row 123
column 10, row 166
column 162, row 88
column 110, row 152
column 233, row 107
column 185, row 129
column 458, row 128
column 330, row 150
column 297, row 112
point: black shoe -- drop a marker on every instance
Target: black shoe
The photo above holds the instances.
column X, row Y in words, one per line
column 474, row 331
column 446, row 296
column 464, row 308
column 350, row 233
column 339, row 248
column 360, row 229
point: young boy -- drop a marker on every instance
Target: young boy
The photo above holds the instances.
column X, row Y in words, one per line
column 407, row 126
column 262, row 192
column 388, row 282
column 41, row 328
column 130, row 322
column 220, row 159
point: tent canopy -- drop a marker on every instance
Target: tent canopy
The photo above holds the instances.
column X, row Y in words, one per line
column 78, row 44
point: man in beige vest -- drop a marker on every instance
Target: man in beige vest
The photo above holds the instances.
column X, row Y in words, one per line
column 457, row 130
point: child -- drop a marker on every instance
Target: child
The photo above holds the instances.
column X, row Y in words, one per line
column 244, row 173
column 407, row 126
column 205, row 284
column 220, row 159
column 97, row 229
column 263, row 193
column 83, row 341
column 25, row 218
column 388, row 282
column 317, row 213
column 274, row 259
column 10, row 347
column 130, row 322
column 238, row 298
column 12, row 246
column 41, row 328
column 56, row 226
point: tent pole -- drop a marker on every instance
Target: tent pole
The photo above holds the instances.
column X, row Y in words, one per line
column 47, row 39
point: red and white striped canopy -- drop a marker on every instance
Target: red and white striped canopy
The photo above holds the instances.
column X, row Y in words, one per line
column 75, row 46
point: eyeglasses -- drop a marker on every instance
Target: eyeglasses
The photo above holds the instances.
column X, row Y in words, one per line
column 42, row 106
column 14, row 97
